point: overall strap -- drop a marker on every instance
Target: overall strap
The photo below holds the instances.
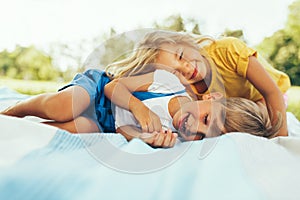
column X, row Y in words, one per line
column 149, row 95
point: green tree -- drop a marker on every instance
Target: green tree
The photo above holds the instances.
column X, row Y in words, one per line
column 282, row 49
column 117, row 47
column 174, row 23
column 6, row 62
column 177, row 23
column 27, row 63
column 234, row 33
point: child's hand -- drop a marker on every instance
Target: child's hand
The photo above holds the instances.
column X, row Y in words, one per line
column 147, row 119
column 163, row 138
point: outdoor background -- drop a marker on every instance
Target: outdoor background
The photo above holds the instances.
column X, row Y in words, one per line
column 44, row 43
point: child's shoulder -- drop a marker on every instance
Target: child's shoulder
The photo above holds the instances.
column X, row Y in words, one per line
column 229, row 46
column 228, row 42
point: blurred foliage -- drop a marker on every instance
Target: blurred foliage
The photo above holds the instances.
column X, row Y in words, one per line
column 282, row 49
column 234, row 33
column 179, row 24
column 294, row 101
column 115, row 47
column 27, row 63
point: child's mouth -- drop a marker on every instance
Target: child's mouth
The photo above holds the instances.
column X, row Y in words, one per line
column 194, row 73
column 182, row 126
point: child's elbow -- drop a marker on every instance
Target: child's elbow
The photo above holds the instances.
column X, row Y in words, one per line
column 108, row 88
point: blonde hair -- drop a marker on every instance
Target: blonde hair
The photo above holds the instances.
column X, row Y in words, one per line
column 144, row 55
column 243, row 115
column 203, row 40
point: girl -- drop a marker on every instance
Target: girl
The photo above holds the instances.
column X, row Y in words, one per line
column 226, row 65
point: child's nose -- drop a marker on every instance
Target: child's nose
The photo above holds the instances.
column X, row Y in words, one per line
column 188, row 69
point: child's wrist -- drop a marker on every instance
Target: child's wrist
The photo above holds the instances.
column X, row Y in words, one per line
column 136, row 105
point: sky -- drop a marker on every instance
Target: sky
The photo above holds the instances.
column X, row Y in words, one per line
column 41, row 22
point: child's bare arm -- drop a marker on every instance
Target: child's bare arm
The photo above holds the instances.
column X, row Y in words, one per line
column 119, row 91
column 156, row 139
column 273, row 97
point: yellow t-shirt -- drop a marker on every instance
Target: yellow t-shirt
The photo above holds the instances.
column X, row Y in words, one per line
column 230, row 58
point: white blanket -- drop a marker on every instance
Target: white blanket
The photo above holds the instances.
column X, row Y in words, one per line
column 41, row 162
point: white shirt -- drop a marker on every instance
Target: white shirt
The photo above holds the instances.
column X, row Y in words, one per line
column 163, row 82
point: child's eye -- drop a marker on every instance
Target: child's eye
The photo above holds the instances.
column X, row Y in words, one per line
column 205, row 119
column 181, row 55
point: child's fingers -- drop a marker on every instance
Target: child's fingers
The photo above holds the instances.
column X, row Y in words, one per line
column 168, row 137
column 148, row 137
column 159, row 139
column 173, row 140
column 144, row 127
column 157, row 125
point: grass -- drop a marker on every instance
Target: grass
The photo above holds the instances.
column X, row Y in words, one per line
column 37, row 87
column 30, row 87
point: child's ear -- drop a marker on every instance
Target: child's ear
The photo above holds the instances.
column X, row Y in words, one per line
column 213, row 96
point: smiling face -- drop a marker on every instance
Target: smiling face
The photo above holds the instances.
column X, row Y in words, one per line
column 198, row 119
column 184, row 59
